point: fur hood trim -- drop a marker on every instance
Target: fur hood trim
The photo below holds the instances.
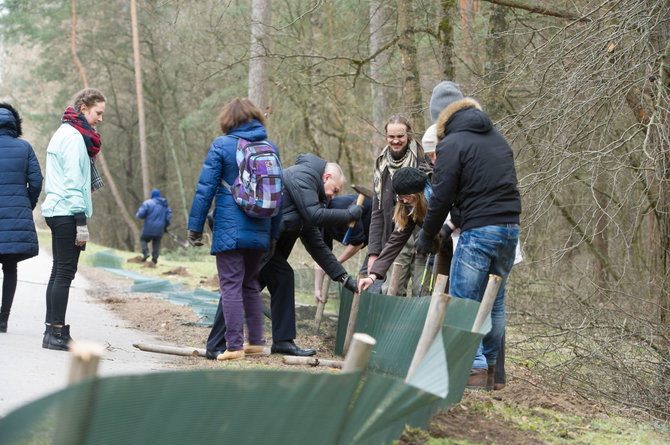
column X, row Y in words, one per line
column 447, row 113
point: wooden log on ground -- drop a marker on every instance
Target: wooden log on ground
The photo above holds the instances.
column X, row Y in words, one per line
column 487, row 302
column 394, row 281
column 173, row 350
column 312, row 361
column 320, row 306
column 359, row 354
column 433, row 324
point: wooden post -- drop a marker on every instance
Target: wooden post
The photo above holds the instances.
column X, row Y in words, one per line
column 85, row 360
column 433, row 324
column 320, row 306
column 358, row 357
column 353, row 313
column 395, row 279
column 488, row 299
column 312, row 361
column 440, row 284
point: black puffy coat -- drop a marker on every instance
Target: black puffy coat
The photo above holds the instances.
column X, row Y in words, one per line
column 474, row 171
column 304, row 211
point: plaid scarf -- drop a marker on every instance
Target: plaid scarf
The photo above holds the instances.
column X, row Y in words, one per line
column 91, row 139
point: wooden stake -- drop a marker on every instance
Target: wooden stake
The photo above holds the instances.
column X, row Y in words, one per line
column 488, row 299
column 85, row 359
column 320, row 306
column 353, row 313
column 440, row 284
column 433, row 324
column 174, row 350
column 358, row 357
column 395, row 279
column 312, row 361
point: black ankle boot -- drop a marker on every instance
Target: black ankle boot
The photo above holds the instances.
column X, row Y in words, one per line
column 47, row 334
column 3, row 321
column 57, row 338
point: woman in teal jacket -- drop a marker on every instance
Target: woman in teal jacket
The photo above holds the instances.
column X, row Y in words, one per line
column 71, row 177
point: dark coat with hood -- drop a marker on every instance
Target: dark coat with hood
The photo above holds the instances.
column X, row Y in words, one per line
column 474, row 171
column 156, row 214
column 305, row 211
column 232, row 229
column 20, row 186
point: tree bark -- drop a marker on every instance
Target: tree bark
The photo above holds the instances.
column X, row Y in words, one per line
column 446, row 38
column 412, row 82
column 496, row 51
column 534, row 8
column 380, row 14
column 259, row 87
column 140, row 100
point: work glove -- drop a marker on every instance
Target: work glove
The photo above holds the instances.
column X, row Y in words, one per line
column 82, row 229
column 194, row 238
column 355, row 212
column 349, row 283
column 82, row 234
column 445, row 232
column 425, row 243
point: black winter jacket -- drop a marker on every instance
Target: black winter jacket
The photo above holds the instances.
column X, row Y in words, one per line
column 304, row 211
column 474, row 171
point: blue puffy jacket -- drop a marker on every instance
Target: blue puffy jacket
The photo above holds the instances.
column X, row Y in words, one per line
column 20, row 186
column 233, row 229
column 157, row 214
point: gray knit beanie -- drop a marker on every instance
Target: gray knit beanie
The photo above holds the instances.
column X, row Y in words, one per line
column 444, row 94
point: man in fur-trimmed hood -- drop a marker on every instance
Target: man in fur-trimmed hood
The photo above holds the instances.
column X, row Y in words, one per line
column 474, row 171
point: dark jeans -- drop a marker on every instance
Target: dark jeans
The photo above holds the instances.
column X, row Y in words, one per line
column 155, row 246
column 65, row 259
column 8, row 284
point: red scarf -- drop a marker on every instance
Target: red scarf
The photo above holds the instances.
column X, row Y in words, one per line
column 91, row 138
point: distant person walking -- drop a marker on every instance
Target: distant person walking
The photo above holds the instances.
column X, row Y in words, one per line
column 20, row 186
column 238, row 241
column 156, row 213
column 71, row 178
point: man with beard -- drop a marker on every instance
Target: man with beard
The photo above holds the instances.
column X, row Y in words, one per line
column 402, row 150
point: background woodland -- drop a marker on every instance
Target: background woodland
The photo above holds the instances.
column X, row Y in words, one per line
column 581, row 89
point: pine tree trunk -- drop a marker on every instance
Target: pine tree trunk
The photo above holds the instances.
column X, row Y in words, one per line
column 412, row 82
column 140, row 100
column 259, row 87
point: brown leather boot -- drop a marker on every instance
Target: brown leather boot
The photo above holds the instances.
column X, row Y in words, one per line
column 478, row 378
column 490, row 377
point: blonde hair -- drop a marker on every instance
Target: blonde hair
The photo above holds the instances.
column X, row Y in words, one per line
column 402, row 213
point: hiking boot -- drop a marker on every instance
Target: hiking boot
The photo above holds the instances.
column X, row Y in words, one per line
column 231, row 355
column 253, row 349
column 57, row 338
column 478, row 378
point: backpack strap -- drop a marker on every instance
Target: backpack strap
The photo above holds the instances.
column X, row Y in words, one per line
column 223, row 182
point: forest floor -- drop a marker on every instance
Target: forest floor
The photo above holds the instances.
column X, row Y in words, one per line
column 525, row 411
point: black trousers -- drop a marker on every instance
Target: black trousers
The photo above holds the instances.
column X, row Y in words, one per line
column 8, row 283
column 65, row 260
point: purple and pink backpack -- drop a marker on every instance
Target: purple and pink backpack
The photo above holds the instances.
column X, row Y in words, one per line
column 258, row 188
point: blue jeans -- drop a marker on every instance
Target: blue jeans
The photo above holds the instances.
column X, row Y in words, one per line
column 480, row 252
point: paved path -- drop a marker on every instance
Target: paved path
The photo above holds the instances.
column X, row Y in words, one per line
column 28, row 372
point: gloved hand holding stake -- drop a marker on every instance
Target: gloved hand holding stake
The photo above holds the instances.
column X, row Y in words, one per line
column 194, row 238
column 424, row 243
column 349, row 283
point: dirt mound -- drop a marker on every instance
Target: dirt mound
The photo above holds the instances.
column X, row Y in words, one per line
column 135, row 259
column 178, row 271
column 211, row 283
